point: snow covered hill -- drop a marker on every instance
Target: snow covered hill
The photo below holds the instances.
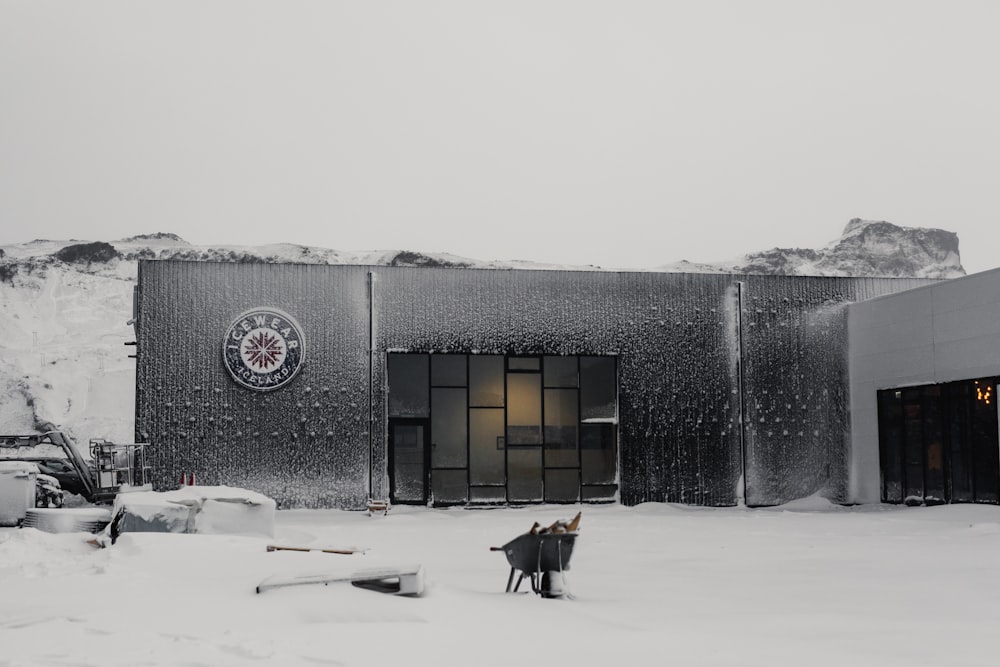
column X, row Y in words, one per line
column 866, row 248
column 64, row 313
column 65, row 307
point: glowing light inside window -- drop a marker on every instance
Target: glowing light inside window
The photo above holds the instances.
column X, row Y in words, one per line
column 984, row 393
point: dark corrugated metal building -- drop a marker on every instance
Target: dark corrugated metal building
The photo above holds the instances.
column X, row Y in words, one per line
column 326, row 385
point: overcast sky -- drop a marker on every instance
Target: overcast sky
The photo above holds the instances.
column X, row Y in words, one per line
column 620, row 133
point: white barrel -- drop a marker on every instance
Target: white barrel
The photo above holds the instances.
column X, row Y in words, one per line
column 17, row 490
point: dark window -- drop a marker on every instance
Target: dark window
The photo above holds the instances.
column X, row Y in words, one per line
column 598, row 458
column 524, row 474
column 938, row 443
column 489, row 428
column 449, row 435
column 890, row 406
column 562, row 421
column 487, row 447
column 962, row 488
column 562, row 485
column 983, row 436
column 598, row 388
column 934, row 452
column 409, row 394
column 524, row 409
column 560, row 372
column 913, row 446
column 598, row 493
column 450, row 487
column 486, row 381
column 448, row 370
column 488, row 494
column 523, row 363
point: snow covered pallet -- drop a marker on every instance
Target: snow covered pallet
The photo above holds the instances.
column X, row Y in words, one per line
column 397, row 580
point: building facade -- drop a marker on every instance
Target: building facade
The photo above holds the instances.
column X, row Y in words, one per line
column 924, row 367
column 323, row 386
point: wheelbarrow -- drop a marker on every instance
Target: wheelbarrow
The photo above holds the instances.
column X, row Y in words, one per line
column 540, row 556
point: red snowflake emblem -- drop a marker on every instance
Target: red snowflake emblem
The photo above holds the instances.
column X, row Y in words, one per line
column 263, row 349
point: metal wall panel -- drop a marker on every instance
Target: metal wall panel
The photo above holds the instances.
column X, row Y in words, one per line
column 796, row 383
column 672, row 334
column 305, row 444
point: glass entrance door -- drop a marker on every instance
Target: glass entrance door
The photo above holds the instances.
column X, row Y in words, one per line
column 408, row 454
column 939, row 443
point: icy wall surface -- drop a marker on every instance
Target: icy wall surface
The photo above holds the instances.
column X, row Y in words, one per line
column 795, row 383
column 677, row 413
column 693, row 351
column 306, row 444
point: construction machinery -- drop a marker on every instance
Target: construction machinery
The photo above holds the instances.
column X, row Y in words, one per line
column 111, row 469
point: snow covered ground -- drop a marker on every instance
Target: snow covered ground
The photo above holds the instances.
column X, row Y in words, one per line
column 803, row 584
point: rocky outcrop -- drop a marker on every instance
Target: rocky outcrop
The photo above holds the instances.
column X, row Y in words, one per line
column 883, row 249
column 866, row 248
column 410, row 258
column 158, row 236
column 87, row 252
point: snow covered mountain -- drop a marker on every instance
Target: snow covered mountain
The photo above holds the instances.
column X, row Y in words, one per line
column 65, row 307
column 866, row 248
column 121, row 257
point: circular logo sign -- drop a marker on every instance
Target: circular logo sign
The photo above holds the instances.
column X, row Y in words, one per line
column 263, row 349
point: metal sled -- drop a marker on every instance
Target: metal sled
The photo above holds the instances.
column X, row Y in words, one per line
column 538, row 556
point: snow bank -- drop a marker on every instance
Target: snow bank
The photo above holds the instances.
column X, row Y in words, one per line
column 194, row 509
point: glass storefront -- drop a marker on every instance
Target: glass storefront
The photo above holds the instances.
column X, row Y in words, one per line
column 939, row 443
column 502, row 429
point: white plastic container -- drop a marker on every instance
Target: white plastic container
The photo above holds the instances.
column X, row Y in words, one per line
column 17, row 490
